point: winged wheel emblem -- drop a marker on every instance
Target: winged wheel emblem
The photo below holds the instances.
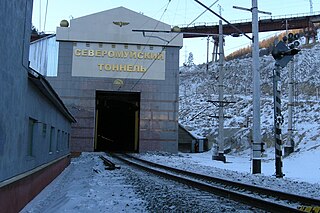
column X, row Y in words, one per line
column 121, row 23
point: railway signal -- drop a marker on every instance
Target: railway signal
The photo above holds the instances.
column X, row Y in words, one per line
column 293, row 41
column 282, row 53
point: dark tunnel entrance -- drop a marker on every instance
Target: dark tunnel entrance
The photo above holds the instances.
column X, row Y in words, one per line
column 117, row 121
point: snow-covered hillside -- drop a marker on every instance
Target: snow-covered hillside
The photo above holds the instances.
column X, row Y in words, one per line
column 197, row 86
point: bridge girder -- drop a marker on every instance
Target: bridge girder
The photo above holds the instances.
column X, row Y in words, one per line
column 265, row 25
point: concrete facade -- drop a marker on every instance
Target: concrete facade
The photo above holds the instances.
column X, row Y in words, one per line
column 34, row 124
column 158, row 119
column 22, row 101
column 13, row 86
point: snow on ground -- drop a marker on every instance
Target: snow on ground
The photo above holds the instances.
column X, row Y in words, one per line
column 298, row 166
column 302, row 170
column 85, row 186
column 197, row 115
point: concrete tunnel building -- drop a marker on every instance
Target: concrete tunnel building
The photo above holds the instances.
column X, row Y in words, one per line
column 120, row 81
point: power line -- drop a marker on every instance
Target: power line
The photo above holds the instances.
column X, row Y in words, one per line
column 202, row 13
column 147, row 44
column 168, row 42
column 164, row 11
column 45, row 16
column 40, row 15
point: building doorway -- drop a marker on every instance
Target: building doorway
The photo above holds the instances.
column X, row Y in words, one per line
column 117, row 121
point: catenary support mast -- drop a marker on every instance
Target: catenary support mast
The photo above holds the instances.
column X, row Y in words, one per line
column 256, row 158
column 221, row 104
column 289, row 145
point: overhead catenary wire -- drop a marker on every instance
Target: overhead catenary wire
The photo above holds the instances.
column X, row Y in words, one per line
column 40, row 16
column 45, row 16
column 223, row 19
column 202, row 13
column 168, row 42
column 164, row 11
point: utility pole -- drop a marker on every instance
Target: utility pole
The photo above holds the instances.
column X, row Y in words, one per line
column 215, row 48
column 208, row 40
column 256, row 152
column 311, row 7
column 220, row 9
column 256, row 79
column 256, row 128
column 220, row 155
column 219, row 152
column 289, row 146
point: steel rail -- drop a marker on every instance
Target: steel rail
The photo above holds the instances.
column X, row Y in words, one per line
column 193, row 180
column 261, row 190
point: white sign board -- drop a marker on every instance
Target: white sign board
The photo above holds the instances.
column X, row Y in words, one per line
column 118, row 61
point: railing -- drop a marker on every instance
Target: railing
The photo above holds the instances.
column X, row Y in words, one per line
column 296, row 15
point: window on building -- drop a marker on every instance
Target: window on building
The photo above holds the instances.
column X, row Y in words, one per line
column 58, row 141
column 68, row 142
column 65, row 140
column 31, row 136
column 62, row 143
column 51, row 139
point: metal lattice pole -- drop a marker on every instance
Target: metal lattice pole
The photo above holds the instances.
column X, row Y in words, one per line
column 289, row 146
column 278, row 120
column 207, row 65
column 221, row 75
column 220, row 155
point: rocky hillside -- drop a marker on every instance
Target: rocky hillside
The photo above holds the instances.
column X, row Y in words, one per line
column 197, row 86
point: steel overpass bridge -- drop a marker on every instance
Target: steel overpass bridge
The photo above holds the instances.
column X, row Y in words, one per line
column 267, row 23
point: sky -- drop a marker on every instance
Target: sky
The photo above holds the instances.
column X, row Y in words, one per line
column 48, row 14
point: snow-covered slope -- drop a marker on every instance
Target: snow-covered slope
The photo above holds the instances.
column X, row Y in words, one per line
column 197, row 86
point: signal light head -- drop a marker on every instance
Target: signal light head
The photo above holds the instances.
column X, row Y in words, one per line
column 291, row 45
column 292, row 40
column 290, row 37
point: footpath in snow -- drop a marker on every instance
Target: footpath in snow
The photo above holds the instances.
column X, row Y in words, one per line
column 85, row 186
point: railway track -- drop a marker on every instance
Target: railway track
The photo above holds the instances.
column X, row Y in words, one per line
column 262, row 198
